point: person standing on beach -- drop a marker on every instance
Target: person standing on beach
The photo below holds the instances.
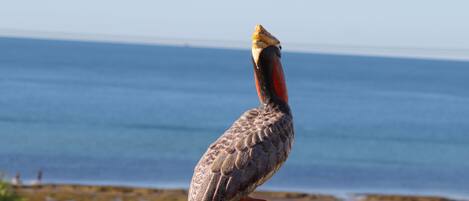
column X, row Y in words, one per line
column 38, row 180
column 16, row 181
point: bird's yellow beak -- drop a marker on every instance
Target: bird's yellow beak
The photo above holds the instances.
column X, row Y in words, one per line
column 261, row 39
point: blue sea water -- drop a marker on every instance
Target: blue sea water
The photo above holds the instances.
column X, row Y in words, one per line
column 142, row 115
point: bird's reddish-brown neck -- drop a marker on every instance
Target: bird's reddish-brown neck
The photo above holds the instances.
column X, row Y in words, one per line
column 269, row 77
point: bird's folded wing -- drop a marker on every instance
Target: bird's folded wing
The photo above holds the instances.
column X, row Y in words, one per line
column 247, row 160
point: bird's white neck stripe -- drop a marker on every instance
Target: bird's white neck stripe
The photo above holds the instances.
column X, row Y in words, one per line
column 256, row 54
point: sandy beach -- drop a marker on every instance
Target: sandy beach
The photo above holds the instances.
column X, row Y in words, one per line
column 66, row 192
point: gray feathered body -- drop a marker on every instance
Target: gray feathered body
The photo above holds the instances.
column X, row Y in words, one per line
column 245, row 156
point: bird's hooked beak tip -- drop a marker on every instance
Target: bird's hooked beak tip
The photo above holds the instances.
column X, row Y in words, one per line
column 258, row 29
column 261, row 39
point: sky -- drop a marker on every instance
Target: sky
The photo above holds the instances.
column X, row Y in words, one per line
column 397, row 25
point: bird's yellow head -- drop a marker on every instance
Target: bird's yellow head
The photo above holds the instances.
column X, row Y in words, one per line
column 261, row 39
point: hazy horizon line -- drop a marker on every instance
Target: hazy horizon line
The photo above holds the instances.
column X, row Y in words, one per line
column 358, row 50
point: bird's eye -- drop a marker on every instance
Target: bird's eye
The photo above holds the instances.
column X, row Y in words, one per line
column 280, row 47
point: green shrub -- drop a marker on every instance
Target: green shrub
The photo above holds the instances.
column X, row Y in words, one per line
column 7, row 194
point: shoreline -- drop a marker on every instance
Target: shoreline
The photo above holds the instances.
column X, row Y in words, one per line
column 82, row 192
column 336, row 192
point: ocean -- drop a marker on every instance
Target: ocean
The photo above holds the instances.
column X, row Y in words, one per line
column 142, row 115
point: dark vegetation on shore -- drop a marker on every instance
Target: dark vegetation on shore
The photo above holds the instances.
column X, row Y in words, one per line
column 64, row 192
column 7, row 193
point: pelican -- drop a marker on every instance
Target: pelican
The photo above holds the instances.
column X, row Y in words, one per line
column 258, row 143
